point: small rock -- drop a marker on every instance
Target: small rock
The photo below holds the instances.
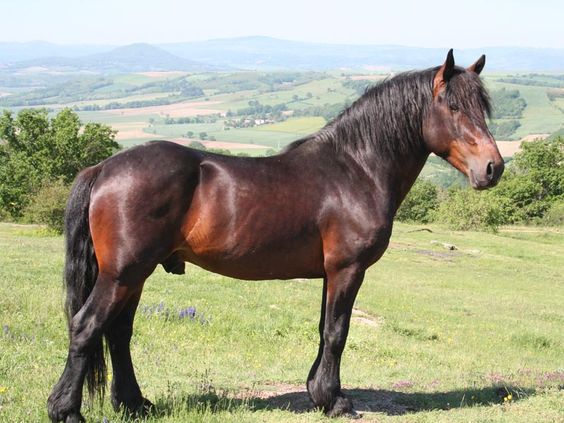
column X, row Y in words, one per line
column 446, row 245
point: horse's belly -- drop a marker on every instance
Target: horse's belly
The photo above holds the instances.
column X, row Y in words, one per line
column 258, row 259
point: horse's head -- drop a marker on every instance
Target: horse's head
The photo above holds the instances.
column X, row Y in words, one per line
column 454, row 126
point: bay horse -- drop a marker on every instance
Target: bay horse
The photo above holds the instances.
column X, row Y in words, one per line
column 322, row 208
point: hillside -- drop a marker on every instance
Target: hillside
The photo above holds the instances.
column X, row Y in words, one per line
column 265, row 53
column 132, row 58
column 268, row 53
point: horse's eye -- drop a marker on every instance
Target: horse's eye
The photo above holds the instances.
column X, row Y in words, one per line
column 453, row 107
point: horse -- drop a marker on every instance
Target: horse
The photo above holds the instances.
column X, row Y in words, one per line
column 322, row 208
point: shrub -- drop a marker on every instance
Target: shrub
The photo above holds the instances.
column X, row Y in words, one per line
column 555, row 215
column 47, row 206
column 35, row 147
column 419, row 203
column 472, row 210
column 197, row 145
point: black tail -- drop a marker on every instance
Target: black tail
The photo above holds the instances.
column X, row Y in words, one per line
column 81, row 269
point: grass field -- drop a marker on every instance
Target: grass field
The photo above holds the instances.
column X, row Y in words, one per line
column 540, row 116
column 275, row 135
column 473, row 334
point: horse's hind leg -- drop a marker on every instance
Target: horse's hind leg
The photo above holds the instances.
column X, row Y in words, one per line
column 125, row 390
column 106, row 300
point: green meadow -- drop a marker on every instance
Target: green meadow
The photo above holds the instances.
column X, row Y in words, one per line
column 541, row 116
column 464, row 335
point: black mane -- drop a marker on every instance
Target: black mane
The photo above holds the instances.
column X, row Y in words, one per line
column 387, row 119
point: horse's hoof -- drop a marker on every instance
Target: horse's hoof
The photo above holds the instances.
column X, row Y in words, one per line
column 353, row 415
column 146, row 409
column 141, row 410
column 343, row 408
column 75, row 418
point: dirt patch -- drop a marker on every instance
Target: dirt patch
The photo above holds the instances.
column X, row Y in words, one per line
column 131, row 130
column 182, row 109
column 438, row 255
column 364, row 318
column 534, row 137
column 295, row 398
column 508, row 148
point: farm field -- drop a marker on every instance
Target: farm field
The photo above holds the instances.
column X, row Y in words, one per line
column 305, row 93
column 473, row 334
column 541, row 116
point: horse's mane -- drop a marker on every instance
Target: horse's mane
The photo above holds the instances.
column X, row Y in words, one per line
column 388, row 118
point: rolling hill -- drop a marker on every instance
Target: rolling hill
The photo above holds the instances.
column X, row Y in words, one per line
column 131, row 58
column 265, row 53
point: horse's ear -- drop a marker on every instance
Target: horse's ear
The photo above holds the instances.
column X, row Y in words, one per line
column 479, row 65
column 444, row 74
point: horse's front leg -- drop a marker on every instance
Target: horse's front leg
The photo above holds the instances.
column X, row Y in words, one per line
column 324, row 384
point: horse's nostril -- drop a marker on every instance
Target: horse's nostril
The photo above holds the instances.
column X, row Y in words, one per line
column 490, row 171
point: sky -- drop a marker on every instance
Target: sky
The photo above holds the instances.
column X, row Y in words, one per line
column 431, row 23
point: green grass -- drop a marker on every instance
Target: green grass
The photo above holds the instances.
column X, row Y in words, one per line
column 445, row 335
column 275, row 135
column 304, row 125
column 540, row 115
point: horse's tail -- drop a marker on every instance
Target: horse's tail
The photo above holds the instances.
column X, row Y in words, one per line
column 81, row 269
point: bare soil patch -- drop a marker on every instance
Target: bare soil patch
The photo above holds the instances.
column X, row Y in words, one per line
column 295, row 398
column 508, row 148
column 131, row 130
column 364, row 318
column 534, row 137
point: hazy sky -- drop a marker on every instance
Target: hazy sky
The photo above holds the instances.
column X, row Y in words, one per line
column 459, row 24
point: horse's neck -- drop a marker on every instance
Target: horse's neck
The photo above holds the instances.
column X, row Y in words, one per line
column 404, row 174
column 395, row 176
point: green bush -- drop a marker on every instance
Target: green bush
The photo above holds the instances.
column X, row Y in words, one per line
column 555, row 215
column 419, row 203
column 472, row 210
column 47, row 205
column 533, row 181
column 35, row 147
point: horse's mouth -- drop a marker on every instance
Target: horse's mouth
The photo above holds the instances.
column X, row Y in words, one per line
column 481, row 184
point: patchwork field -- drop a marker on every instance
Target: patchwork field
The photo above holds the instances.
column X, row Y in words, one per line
column 308, row 94
column 473, row 334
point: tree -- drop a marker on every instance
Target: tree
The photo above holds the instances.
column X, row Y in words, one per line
column 534, row 180
column 197, row 145
column 35, row 149
column 203, row 135
column 419, row 203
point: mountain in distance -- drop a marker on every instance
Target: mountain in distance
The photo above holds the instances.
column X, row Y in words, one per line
column 273, row 53
column 264, row 53
column 131, row 58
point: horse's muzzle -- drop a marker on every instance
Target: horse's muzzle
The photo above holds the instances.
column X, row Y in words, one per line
column 486, row 176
